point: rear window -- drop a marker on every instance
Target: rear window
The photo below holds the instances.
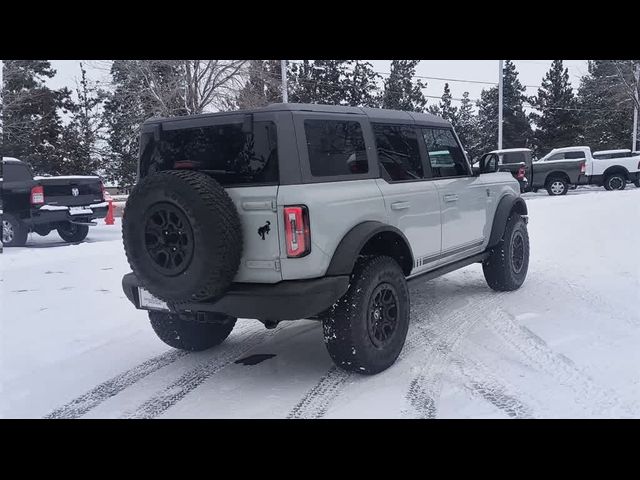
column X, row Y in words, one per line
column 513, row 157
column 16, row 172
column 335, row 148
column 231, row 156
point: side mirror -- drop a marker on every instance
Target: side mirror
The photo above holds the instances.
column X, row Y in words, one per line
column 488, row 163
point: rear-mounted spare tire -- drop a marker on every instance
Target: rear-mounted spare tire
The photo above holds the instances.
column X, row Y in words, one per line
column 182, row 236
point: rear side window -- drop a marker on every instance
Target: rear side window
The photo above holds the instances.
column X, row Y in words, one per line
column 573, row 155
column 231, row 156
column 398, row 152
column 445, row 154
column 335, row 148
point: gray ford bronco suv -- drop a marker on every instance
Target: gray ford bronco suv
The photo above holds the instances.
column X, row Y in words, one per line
column 296, row 211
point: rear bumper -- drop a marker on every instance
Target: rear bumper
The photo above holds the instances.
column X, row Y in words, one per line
column 55, row 214
column 286, row 300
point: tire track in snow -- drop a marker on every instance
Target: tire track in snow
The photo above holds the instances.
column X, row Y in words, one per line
column 318, row 399
column 480, row 381
column 595, row 399
column 94, row 397
column 440, row 339
column 225, row 355
column 88, row 401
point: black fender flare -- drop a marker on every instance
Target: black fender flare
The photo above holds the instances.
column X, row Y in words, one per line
column 506, row 205
column 613, row 169
column 345, row 256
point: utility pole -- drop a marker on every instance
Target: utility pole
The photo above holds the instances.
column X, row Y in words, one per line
column 500, row 101
column 635, row 112
column 283, row 69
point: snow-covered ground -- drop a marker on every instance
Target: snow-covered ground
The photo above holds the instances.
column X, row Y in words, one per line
column 564, row 345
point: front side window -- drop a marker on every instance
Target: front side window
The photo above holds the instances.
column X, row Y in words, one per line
column 398, row 152
column 445, row 154
column 335, row 147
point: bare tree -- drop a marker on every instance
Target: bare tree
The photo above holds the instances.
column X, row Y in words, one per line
column 628, row 80
column 185, row 87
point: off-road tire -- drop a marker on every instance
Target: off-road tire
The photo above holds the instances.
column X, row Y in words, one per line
column 184, row 332
column 210, row 222
column 501, row 270
column 348, row 327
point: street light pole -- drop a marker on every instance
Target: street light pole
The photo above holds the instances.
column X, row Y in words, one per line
column 500, row 101
column 283, row 69
column 634, row 146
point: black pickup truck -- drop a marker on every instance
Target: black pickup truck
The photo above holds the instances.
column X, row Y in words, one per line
column 556, row 172
column 42, row 204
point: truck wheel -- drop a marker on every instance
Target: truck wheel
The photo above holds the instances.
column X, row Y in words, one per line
column 14, row 232
column 637, row 183
column 366, row 329
column 185, row 332
column 507, row 265
column 616, row 181
column 73, row 233
column 42, row 230
column 557, row 186
column 182, row 236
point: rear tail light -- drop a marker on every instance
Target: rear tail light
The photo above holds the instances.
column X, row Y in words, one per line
column 37, row 195
column 297, row 231
column 521, row 173
column 583, row 167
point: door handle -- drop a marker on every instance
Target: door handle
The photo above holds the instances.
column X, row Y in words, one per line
column 400, row 205
column 451, row 198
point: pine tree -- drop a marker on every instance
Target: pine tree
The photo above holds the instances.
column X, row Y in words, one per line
column 318, row 81
column 81, row 136
column 124, row 111
column 31, row 123
column 444, row 108
column 516, row 129
column 465, row 124
column 606, row 110
column 361, row 85
column 400, row 91
column 558, row 121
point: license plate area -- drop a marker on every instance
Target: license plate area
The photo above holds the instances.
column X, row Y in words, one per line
column 80, row 211
column 149, row 302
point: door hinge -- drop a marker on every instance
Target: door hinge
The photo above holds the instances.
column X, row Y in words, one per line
column 274, row 206
column 277, row 265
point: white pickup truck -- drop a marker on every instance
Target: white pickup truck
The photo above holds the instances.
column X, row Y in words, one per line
column 614, row 168
column 611, row 169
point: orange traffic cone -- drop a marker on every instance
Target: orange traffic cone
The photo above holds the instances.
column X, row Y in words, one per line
column 109, row 220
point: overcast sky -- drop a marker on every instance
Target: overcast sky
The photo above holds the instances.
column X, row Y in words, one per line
column 530, row 72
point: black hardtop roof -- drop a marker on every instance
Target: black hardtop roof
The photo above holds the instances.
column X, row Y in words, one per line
column 374, row 114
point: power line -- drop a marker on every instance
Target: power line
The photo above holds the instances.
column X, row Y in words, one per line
column 443, row 79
